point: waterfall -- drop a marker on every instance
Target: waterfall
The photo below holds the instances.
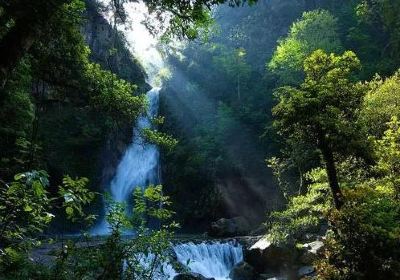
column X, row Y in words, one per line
column 212, row 260
column 138, row 167
column 139, row 164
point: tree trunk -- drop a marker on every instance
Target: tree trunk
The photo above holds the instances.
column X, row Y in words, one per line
column 331, row 172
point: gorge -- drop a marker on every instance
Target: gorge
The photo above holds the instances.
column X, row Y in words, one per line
column 140, row 166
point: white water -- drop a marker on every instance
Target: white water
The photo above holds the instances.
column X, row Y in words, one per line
column 139, row 165
column 212, row 260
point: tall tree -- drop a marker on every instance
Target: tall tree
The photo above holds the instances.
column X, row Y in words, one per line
column 322, row 110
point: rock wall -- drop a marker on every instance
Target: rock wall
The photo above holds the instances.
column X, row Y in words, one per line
column 102, row 39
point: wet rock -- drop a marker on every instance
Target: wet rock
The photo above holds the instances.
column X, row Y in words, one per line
column 191, row 276
column 229, row 227
column 311, row 252
column 264, row 255
column 242, row 271
column 306, row 271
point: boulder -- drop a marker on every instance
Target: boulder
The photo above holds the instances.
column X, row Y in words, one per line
column 191, row 276
column 242, row 271
column 230, row 227
column 305, row 271
column 311, row 251
column 264, row 255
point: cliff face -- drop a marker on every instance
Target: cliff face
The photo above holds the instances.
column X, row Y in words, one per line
column 108, row 48
column 78, row 140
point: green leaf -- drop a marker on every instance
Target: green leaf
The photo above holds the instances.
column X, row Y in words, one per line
column 69, row 211
column 28, row 208
column 19, row 176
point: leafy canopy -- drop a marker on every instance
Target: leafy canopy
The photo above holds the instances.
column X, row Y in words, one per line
column 314, row 30
column 325, row 102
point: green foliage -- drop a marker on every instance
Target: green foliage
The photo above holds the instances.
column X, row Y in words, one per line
column 387, row 151
column 160, row 139
column 76, row 195
column 304, row 214
column 185, row 18
column 235, row 66
column 279, row 167
column 315, row 30
column 215, row 104
column 17, row 110
column 366, row 237
column 366, row 225
column 26, row 210
column 144, row 255
column 321, row 113
column 25, row 207
column 112, row 95
column 380, row 103
column 326, row 101
column 383, row 13
column 150, row 250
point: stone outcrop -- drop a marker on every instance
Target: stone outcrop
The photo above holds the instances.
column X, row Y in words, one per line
column 305, row 271
column 264, row 255
column 242, row 271
column 311, row 251
column 271, row 261
column 230, row 227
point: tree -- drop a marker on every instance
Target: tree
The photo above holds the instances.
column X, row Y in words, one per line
column 388, row 153
column 380, row 104
column 384, row 14
column 314, row 30
column 322, row 109
column 234, row 64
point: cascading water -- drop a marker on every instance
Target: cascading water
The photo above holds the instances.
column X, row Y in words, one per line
column 139, row 165
column 212, row 260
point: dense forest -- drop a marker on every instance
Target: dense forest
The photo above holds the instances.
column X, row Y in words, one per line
column 200, row 139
